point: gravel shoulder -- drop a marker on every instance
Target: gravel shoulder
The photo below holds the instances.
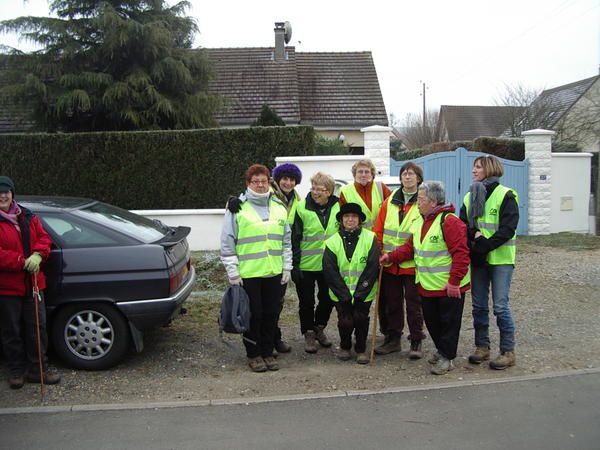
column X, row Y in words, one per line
column 554, row 298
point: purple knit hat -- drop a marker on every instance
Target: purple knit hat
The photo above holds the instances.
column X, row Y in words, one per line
column 290, row 170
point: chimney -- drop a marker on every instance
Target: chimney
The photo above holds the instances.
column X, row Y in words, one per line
column 279, row 41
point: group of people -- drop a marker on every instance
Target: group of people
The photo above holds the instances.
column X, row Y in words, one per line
column 337, row 249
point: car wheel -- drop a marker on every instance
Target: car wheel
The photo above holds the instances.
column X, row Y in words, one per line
column 92, row 336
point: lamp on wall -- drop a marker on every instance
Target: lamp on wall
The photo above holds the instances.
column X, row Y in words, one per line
column 342, row 138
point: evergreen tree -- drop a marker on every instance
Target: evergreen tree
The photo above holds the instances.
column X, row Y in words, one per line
column 111, row 65
column 268, row 118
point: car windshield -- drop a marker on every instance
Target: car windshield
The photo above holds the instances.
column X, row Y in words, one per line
column 131, row 224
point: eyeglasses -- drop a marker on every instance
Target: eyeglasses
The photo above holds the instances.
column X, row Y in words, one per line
column 318, row 190
column 259, row 182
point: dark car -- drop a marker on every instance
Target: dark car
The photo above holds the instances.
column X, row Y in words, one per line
column 111, row 275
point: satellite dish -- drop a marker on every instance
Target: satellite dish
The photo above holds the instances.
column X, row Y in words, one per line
column 287, row 32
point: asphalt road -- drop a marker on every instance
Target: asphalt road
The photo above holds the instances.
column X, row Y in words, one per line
column 552, row 413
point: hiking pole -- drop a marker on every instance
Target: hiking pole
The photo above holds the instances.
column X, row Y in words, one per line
column 374, row 337
column 37, row 298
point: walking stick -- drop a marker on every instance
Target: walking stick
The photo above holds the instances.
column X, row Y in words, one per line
column 374, row 337
column 37, row 298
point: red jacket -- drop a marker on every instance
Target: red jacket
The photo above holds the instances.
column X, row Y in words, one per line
column 455, row 235
column 12, row 256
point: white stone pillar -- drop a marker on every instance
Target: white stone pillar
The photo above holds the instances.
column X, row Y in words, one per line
column 377, row 147
column 538, row 150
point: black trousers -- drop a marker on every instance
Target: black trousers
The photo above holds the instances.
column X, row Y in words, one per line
column 396, row 290
column 265, row 296
column 443, row 316
column 353, row 317
column 305, row 287
column 18, row 334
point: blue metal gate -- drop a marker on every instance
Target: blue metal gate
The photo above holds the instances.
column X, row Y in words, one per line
column 454, row 170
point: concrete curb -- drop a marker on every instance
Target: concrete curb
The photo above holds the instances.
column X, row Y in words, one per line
column 282, row 398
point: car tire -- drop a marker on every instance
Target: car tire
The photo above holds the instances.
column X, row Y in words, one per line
column 90, row 336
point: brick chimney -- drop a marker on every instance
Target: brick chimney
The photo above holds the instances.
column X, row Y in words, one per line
column 279, row 54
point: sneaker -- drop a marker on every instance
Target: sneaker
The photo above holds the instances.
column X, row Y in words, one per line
column 362, row 358
column 415, row 350
column 51, row 376
column 434, row 358
column 443, row 366
column 503, row 360
column 344, row 355
column 283, row 347
column 321, row 336
column 481, row 354
column 271, row 363
column 257, row 364
column 390, row 345
column 16, row 381
column 310, row 342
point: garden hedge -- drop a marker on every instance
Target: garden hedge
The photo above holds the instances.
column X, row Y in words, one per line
column 150, row 169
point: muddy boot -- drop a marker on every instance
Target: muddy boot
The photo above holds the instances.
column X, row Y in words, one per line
column 503, row 360
column 390, row 345
column 271, row 363
column 415, row 350
column 321, row 336
column 282, row 347
column 362, row 358
column 481, row 354
column 344, row 355
column 310, row 342
column 443, row 366
column 257, row 364
column 16, row 381
column 434, row 358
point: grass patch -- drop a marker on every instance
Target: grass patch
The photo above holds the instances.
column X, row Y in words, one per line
column 566, row 241
column 210, row 273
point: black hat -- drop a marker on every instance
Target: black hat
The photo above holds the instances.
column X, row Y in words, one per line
column 6, row 184
column 351, row 208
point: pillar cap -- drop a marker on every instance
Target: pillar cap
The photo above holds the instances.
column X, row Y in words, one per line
column 538, row 131
column 376, row 128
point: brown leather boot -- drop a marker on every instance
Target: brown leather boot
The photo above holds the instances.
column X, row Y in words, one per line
column 16, row 381
column 321, row 336
column 310, row 342
column 503, row 360
column 481, row 354
column 415, row 350
column 391, row 345
column 51, row 376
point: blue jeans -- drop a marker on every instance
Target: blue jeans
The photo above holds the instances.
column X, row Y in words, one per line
column 500, row 277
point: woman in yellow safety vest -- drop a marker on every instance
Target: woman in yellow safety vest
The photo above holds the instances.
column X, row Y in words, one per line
column 398, row 216
column 491, row 212
column 350, row 267
column 365, row 191
column 256, row 251
column 439, row 249
column 314, row 223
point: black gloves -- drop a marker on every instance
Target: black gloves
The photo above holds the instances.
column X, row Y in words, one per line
column 234, row 204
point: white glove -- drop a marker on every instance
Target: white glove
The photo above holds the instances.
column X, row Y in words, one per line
column 285, row 277
column 237, row 281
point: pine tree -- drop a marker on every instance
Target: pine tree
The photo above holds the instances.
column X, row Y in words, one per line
column 111, row 65
column 268, row 118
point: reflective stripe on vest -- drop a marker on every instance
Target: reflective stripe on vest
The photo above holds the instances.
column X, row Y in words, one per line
column 352, row 196
column 489, row 223
column 353, row 269
column 432, row 258
column 314, row 236
column 259, row 245
column 395, row 233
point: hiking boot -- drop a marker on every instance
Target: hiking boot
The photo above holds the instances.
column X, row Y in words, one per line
column 257, row 364
column 282, row 347
column 51, row 376
column 415, row 350
column 310, row 342
column 481, row 354
column 16, row 381
column 503, row 360
column 443, row 366
column 434, row 358
column 390, row 345
column 321, row 336
column 271, row 363
column 344, row 355
column 362, row 358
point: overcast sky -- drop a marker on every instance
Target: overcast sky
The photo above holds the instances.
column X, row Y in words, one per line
column 465, row 51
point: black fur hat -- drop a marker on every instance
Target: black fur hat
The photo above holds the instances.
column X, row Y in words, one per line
column 351, row 208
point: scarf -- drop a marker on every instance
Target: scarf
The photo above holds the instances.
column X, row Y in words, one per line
column 478, row 192
column 12, row 215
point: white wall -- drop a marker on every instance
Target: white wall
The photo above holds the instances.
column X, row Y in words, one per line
column 205, row 224
column 570, row 192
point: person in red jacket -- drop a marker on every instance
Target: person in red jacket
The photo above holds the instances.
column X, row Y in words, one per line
column 24, row 245
column 442, row 261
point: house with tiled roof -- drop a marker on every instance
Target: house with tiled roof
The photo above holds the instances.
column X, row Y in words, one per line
column 571, row 110
column 465, row 123
column 337, row 93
